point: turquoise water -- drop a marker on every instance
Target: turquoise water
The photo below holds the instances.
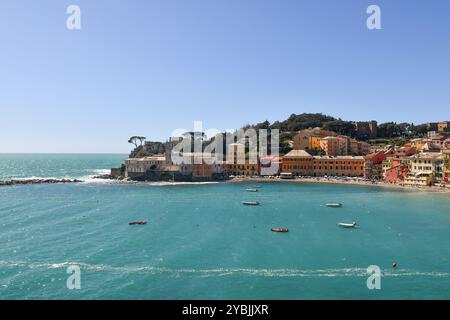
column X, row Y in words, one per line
column 201, row 243
column 20, row 166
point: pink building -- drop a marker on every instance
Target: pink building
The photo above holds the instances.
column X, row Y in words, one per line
column 397, row 173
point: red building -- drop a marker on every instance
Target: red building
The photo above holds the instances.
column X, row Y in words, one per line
column 373, row 168
column 397, row 173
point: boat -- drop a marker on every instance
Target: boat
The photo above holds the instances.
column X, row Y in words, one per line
column 250, row 203
column 287, row 175
column 251, row 190
column 334, row 204
column 137, row 222
column 347, row 225
column 279, row 230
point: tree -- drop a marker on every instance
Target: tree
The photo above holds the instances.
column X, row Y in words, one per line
column 302, row 121
column 391, row 130
column 419, row 130
column 141, row 140
column 346, row 128
column 134, row 140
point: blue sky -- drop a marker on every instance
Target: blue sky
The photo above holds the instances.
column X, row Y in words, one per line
column 148, row 67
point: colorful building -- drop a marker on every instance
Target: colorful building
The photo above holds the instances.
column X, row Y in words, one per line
column 297, row 162
column 374, row 162
column 343, row 166
column 397, row 173
column 308, row 139
column 425, row 168
column 397, row 162
column 446, row 169
column 240, row 163
column 301, row 163
column 334, row 146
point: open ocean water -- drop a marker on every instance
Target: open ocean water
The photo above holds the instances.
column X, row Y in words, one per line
column 202, row 243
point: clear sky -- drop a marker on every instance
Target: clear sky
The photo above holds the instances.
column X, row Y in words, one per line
column 146, row 67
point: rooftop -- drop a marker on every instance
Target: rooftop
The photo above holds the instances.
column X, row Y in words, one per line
column 340, row 157
column 298, row 154
column 427, row 155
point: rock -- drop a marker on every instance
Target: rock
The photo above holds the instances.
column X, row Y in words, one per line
column 108, row 177
column 36, row 181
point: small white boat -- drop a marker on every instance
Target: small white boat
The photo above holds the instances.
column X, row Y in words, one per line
column 250, row 203
column 334, row 204
column 251, row 190
column 347, row 225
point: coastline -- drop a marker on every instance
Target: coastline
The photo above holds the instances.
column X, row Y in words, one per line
column 317, row 180
column 347, row 181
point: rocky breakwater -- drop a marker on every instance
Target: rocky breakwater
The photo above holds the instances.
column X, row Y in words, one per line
column 36, row 181
column 107, row 177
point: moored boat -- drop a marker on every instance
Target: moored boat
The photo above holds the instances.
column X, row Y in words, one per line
column 347, row 225
column 137, row 222
column 334, row 204
column 251, row 190
column 280, row 229
column 250, row 203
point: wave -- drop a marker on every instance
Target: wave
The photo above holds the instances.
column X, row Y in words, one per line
column 168, row 183
column 220, row 272
column 84, row 175
column 92, row 180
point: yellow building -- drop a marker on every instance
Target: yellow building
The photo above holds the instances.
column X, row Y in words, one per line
column 239, row 163
column 386, row 165
column 425, row 168
column 446, row 169
column 418, row 143
column 310, row 138
column 314, row 142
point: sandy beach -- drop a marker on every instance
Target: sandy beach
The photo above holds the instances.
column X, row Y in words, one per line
column 324, row 180
column 344, row 181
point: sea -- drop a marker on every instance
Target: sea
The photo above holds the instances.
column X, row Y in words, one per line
column 73, row 241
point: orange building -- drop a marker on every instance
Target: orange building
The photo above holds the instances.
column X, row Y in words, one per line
column 240, row 163
column 297, row 162
column 343, row 166
column 310, row 138
column 334, row 146
column 301, row 163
